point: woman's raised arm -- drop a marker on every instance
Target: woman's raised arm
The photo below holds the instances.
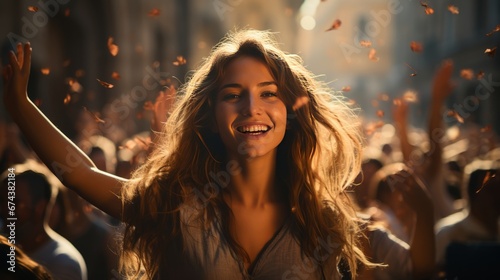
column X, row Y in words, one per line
column 60, row 154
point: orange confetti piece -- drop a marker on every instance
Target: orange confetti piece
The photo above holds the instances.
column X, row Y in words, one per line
column 397, row 102
column 496, row 29
column 38, row 102
column 45, row 71
column 104, row 84
column 67, row 99
column 428, row 9
column 74, row 85
column 414, row 71
column 365, row 43
column 410, row 96
column 115, row 76
column 335, row 25
column 346, row 89
column 491, row 52
column 416, row 46
column 380, row 113
column 455, row 115
column 453, row 9
column 94, row 115
column 113, row 49
column 180, row 60
column 33, row 9
column 467, row 74
column 154, row 12
column 372, row 55
column 486, row 179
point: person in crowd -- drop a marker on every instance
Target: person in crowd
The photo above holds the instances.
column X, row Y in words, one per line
column 479, row 224
column 33, row 199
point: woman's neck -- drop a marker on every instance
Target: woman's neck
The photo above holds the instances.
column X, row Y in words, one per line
column 254, row 185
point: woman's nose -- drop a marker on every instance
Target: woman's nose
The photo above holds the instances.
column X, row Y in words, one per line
column 251, row 105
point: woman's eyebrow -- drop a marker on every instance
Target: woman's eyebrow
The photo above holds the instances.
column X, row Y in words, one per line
column 235, row 85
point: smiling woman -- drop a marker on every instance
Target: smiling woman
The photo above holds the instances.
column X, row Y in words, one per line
column 247, row 179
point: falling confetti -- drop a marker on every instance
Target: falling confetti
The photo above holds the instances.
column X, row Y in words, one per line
column 496, row 29
column 115, row 76
column 33, row 9
column 413, row 69
column 67, row 99
column 467, row 74
column 74, row 85
column 335, row 25
column 180, row 60
column 372, row 55
column 45, row 71
column 410, row 96
column 428, row 9
column 96, row 118
column 491, row 52
column 365, row 43
column 154, row 12
column 416, row 46
column 486, row 179
column 455, row 115
column 113, row 49
column 380, row 113
column 104, row 84
column 346, row 89
column 453, row 9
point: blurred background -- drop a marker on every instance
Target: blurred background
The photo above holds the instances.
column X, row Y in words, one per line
column 373, row 51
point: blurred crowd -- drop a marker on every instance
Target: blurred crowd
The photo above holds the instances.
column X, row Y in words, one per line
column 435, row 191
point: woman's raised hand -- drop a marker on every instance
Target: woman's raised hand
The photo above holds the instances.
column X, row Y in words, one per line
column 16, row 74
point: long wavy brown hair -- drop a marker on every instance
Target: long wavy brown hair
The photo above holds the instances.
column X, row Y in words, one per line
column 317, row 159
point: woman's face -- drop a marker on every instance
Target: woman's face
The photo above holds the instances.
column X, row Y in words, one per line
column 250, row 116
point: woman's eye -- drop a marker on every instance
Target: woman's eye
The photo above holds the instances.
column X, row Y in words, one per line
column 230, row 96
column 269, row 94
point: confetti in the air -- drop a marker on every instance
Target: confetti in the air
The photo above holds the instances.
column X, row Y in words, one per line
column 346, row 89
column 428, row 9
column 105, row 84
column 491, row 52
column 416, row 46
column 372, row 55
column 467, row 74
column 496, row 29
column 154, row 12
column 365, row 43
column 180, row 60
column 335, row 25
column 113, row 49
column 453, row 9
